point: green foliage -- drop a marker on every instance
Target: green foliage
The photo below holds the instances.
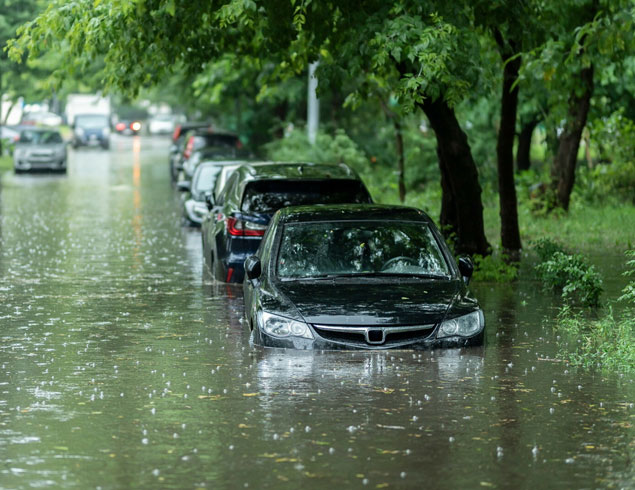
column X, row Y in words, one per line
column 491, row 268
column 545, row 248
column 570, row 274
column 327, row 149
column 607, row 342
column 6, row 163
column 629, row 291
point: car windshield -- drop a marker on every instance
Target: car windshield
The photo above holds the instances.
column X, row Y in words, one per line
column 95, row 121
column 362, row 248
column 206, row 178
column 267, row 196
column 40, row 137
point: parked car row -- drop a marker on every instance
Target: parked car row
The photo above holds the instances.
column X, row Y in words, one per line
column 322, row 267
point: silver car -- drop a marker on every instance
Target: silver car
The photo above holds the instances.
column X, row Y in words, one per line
column 39, row 149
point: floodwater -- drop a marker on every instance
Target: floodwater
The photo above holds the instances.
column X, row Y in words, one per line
column 121, row 368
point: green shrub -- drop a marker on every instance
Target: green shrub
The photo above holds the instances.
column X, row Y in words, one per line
column 607, row 342
column 546, row 247
column 577, row 280
column 492, row 268
column 629, row 291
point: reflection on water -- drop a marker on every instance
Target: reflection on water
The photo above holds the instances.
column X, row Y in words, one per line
column 121, row 366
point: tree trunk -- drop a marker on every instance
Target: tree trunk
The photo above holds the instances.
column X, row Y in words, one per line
column 448, row 219
column 563, row 168
column 458, row 171
column 523, row 161
column 510, row 233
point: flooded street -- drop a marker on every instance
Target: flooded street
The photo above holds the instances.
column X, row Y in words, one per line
column 121, row 368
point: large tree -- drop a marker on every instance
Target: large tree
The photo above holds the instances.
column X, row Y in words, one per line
column 430, row 47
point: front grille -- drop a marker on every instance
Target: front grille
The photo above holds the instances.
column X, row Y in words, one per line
column 385, row 336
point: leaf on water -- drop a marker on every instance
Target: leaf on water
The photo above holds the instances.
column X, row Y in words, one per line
column 286, row 460
column 61, row 448
column 251, row 394
column 243, row 426
column 96, row 413
column 399, row 427
column 359, row 475
column 381, row 485
column 387, row 451
column 269, row 455
column 486, row 484
column 387, row 391
column 321, row 443
column 209, row 397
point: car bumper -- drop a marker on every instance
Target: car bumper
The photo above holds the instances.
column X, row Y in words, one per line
column 195, row 211
column 25, row 165
column 319, row 343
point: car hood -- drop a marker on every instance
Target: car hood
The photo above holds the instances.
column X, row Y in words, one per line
column 372, row 302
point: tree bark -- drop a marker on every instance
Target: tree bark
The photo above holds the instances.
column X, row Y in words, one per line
column 563, row 168
column 510, row 233
column 459, row 173
column 523, row 160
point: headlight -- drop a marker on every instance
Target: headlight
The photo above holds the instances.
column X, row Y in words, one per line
column 463, row 326
column 106, row 132
column 279, row 326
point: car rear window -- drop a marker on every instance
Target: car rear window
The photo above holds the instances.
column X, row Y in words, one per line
column 206, row 178
column 218, row 140
column 267, row 196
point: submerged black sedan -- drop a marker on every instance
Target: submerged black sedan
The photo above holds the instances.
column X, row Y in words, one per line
column 358, row 276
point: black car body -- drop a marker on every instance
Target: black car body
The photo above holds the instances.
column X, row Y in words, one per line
column 39, row 149
column 233, row 229
column 203, row 183
column 358, row 277
column 91, row 130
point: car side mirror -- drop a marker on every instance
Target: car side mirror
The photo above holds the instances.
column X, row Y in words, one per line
column 183, row 185
column 466, row 268
column 253, row 268
column 209, row 200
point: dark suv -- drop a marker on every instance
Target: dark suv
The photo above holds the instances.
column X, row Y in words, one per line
column 91, row 130
column 254, row 192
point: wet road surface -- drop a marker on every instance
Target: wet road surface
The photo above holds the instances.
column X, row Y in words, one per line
column 121, row 368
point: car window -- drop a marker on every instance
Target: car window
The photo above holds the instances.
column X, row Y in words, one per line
column 206, row 177
column 40, row 137
column 350, row 248
column 267, row 196
column 91, row 122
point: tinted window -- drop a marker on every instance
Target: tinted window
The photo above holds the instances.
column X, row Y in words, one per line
column 350, row 248
column 217, row 140
column 40, row 137
column 267, row 196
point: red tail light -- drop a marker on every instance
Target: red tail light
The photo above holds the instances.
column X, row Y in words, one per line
column 189, row 147
column 177, row 133
column 237, row 227
column 120, row 126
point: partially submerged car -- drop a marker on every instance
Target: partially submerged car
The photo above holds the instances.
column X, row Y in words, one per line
column 91, row 130
column 202, row 185
column 254, row 192
column 39, row 149
column 358, row 277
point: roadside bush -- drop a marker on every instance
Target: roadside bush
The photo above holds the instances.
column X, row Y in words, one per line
column 607, row 342
column 492, row 268
column 578, row 281
column 546, row 247
column 629, row 291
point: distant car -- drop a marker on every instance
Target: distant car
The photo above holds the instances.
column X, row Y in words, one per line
column 128, row 127
column 39, row 149
column 179, row 141
column 202, row 184
column 223, row 144
column 161, row 124
column 233, row 229
column 91, row 130
column 358, row 277
column 41, row 117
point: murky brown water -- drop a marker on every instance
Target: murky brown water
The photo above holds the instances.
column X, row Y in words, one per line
column 120, row 368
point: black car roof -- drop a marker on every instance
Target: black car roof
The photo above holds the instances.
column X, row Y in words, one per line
column 295, row 170
column 353, row 212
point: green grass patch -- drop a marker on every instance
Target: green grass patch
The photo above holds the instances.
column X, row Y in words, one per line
column 6, row 163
